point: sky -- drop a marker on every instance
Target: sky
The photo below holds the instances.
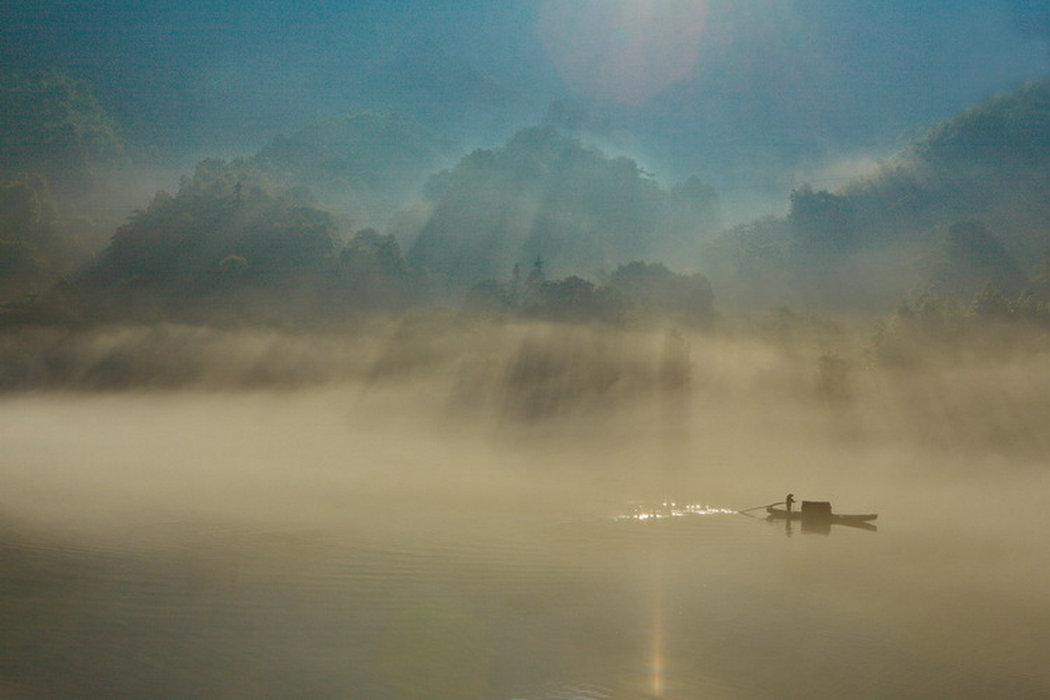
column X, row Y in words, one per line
column 749, row 94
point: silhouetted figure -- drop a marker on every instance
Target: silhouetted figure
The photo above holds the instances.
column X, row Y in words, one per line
column 789, row 501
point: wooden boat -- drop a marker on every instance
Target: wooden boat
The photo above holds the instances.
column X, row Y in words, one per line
column 781, row 514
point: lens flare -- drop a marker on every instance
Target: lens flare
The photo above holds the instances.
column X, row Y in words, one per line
column 624, row 50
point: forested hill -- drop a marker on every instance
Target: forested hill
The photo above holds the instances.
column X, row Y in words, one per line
column 52, row 125
column 68, row 179
column 549, row 195
column 990, row 162
column 964, row 205
column 62, row 156
column 1006, row 134
column 308, row 217
column 365, row 163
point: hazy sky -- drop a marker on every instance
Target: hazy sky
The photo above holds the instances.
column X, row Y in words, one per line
column 719, row 87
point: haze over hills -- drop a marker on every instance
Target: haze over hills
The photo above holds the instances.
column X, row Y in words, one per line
column 960, row 206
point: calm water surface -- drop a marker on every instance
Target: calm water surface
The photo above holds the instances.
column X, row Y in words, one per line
column 292, row 547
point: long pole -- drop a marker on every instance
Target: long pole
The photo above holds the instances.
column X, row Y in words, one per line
column 746, row 510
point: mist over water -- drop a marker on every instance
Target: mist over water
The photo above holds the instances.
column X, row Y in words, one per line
column 479, row 522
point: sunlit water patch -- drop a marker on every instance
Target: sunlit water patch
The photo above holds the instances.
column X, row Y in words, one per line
column 672, row 510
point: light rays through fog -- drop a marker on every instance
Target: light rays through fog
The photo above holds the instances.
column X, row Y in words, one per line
column 624, row 50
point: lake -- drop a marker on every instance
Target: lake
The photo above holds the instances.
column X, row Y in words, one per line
column 379, row 543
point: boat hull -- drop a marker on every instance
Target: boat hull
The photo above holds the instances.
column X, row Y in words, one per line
column 781, row 514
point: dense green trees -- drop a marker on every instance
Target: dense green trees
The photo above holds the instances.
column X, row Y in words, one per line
column 547, row 194
column 1006, row 134
column 821, row 222
column 372, row 272
column 57, row 146
column 963, row 205
column 52, row 124
column 654, row 289
column 33, row 245
column 367, row 164
column 226, row 245
column 181, row 240
column 990, row 162
column 636, row 292
column 970, row 258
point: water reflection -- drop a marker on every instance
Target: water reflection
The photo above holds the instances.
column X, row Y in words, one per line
column 820, row 526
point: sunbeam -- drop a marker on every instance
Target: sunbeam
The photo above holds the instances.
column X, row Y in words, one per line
column 624, row 50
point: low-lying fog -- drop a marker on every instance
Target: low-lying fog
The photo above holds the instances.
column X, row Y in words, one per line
column 459, row 512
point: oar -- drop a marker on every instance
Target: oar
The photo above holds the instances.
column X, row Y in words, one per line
column 770, row 505
column 746, row 514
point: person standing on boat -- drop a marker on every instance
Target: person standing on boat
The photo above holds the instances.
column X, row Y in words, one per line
column 789, row 501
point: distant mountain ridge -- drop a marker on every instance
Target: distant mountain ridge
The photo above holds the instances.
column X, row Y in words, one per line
column 991, row 161
column 978, row 181
column 964, row 206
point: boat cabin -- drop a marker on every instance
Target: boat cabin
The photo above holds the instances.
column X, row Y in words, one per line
column 816, row 509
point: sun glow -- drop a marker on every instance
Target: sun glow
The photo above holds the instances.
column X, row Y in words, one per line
column 624, row 50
